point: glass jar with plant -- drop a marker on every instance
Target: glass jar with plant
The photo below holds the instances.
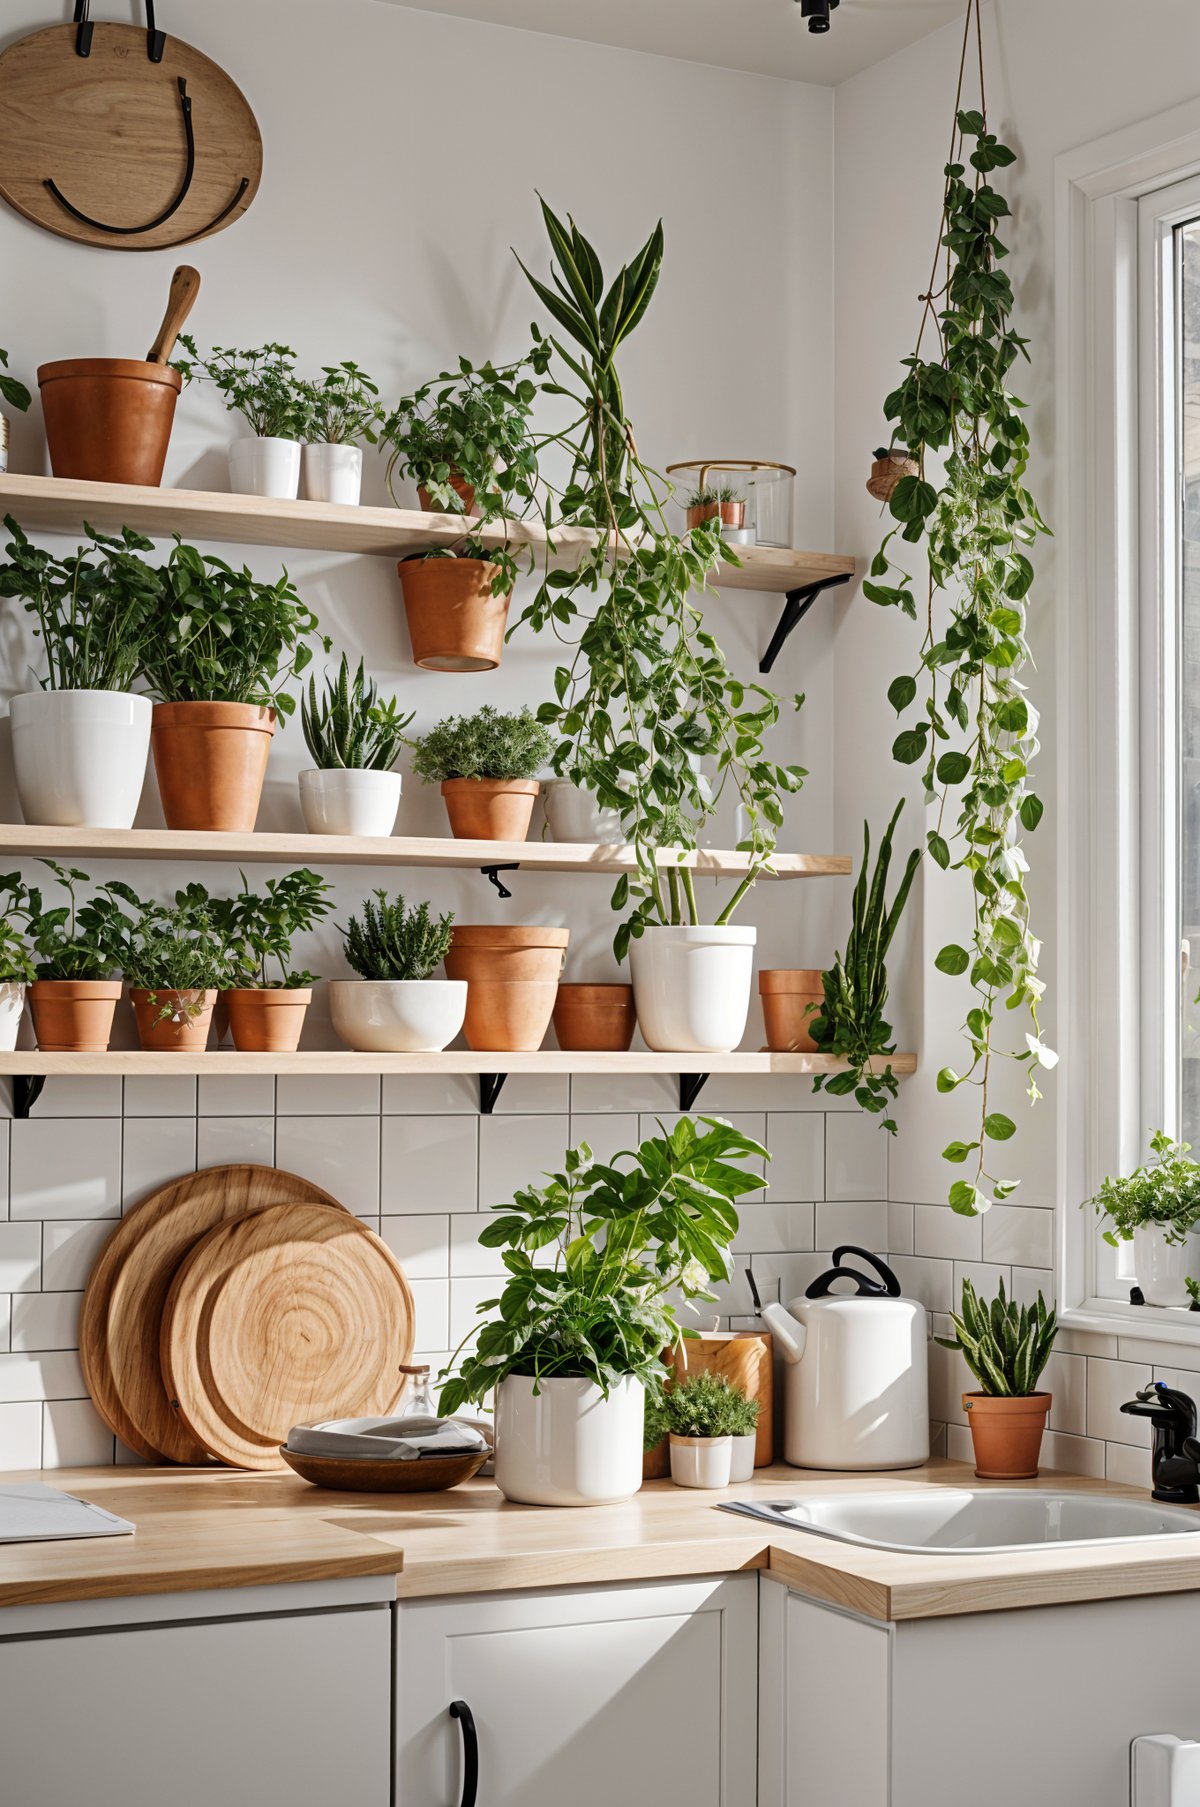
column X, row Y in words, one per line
column 466, row 442
column 594, row 1260
column 80, row 950
column 723, row 502
column 354, row 739
column 16, row 962
column 261, row 386
column 1006, row 1346
column 220, row 653
column 646, row 701
column 396, row 1006
column 80, row 740
column 340, row 412
column 704, row 1413
column 266, row 995
column 177, row 961
column 1157, row 1209
column 485, row 764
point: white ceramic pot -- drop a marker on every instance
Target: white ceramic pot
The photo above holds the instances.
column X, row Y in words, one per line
column 265, row 467
column 1163, row 1267
column 573, row 814
column 333, row 473
column 80, row 756
column 568, row 1445
column 741, row 1457
column 701, row 1461
column 350, row 801
column 12, row 1006
column 691, row 987
column 398, row 1016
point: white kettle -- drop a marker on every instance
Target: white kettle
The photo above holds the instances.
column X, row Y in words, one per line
column 857, row 1393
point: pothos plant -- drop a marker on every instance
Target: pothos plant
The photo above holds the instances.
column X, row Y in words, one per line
column 975, row 731
column 646, row 695
column 11, row 390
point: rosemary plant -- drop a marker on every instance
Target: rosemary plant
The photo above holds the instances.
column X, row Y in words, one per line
column 392, row 942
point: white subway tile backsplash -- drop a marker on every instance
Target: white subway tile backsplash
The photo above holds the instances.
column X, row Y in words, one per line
column 431, row 1302
column 465, row 1297
column 157, row 1150
column 790, row 1275
column 70, row 1250
column 226, row 1141
column 45, row 1321
column 1128, row 1466
column 5, row 1320
column 65, row 1172
column 939, row 1231
column 984, row 1277
column 605, row 1133
column 73, row 1435
column 863, row 1222
column 656, row 1094
column 900, row 1228
column 21, row 1435
column 1109, row 1385
column 420, row 1244
column 166, row 1095
column 48, row 1375
column 327, row 1095
column 796, row 1170
column 69, row 1097
column 1020, row 1234
column 769, row 1228
column 339, row 1154
column 1073, row 1455
column 20, row 1257
column 429, row 1094
column 243, row 1095
column 856, row 1157
column 429, row 1165
column 468, row 1260
column 516, row 1152
column 1028, row 1282
column 534, row 1094
column 930, row 1281
column 1065, row 1376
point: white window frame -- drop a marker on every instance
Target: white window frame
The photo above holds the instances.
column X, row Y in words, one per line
column 1117, row 803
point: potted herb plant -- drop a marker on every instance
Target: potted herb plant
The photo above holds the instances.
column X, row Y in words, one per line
column 80, row 740
column 354, row 740
column 594, row 1259
column 396, row 1006
column 485, row 764
column 704, row 1413
column 218, row 659
column 1006, row 1347
column 177, row 962
column 263, row 388
column 267, row 997
column 1157, row 1208
column 340, row 412
column 720, row 502
column 16, row 963
column 79, row 953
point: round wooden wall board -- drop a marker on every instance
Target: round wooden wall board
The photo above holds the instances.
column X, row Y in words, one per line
column 109, row 130
column 296, row 1314
column 122, row 1306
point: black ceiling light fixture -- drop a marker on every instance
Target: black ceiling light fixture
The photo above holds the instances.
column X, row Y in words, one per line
column 817, row 13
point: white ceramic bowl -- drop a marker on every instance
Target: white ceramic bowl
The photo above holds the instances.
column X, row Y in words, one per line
column 398, row 1016
column 350, row 801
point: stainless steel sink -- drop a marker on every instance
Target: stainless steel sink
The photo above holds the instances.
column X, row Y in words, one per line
column 961, row 1518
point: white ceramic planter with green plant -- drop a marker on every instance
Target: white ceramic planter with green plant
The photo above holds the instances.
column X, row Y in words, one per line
column 708, row 1420
column 262, row 386
column 396, row 1006
column 1157, row 1209
column 340, row 412
column 16, row 962
column 354, row 740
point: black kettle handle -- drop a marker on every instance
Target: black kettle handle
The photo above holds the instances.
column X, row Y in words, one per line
column 887, row 1285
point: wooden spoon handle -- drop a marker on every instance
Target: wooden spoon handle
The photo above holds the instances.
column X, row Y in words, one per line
column 185, row 286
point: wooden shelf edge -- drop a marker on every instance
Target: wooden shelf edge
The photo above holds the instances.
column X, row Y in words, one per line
column 131, row 1062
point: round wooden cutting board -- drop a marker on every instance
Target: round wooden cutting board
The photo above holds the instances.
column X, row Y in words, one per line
column 295, row 1314
column 120, row 1319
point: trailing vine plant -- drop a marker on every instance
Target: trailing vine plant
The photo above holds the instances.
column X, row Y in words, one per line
column 975, row 733
column 645, row 695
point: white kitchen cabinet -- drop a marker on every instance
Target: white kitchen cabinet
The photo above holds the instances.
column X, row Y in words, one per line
column 242, row 1711
column 598, row 1697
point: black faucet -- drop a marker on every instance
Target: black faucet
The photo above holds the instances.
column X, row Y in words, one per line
column 1175, row 1454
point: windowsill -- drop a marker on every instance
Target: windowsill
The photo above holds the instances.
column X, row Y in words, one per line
column 1150, row 1323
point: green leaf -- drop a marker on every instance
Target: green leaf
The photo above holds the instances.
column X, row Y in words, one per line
column 953, row 767
column 901, row 692
column 999, row 1128
column 953, row 960
column 1032, row 809
column 909, row 746
column 965, row 1198
column 939, row 850
column 957, row 1152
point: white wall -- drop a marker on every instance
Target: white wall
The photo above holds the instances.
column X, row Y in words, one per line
column 402, row 151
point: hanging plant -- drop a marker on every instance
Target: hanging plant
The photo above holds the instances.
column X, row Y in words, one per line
column 974, row 732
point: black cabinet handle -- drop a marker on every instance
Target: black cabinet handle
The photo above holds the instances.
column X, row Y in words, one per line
column 460, row 1710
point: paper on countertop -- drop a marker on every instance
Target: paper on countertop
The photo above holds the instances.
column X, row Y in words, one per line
column 404, row 1439
column 33, row 1513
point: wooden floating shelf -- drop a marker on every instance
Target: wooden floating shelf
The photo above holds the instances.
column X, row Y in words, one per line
column 131, row 1062
column 17, row 839
column 54, row 504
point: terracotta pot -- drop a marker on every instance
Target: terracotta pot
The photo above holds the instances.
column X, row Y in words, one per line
column 512, row 980
column 656, row 1462
column 74, row 1016
column 787, row 993
column 454, row 621
column 596, row 1018
column 1007, row 1434
column 108, row 420
column 464, row 490
column 184, row 1031
column 267, row 1020
column 211, row 759
column 490, row 809
column 733, row 514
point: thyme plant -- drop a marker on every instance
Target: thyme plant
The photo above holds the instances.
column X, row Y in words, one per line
column 488, row 744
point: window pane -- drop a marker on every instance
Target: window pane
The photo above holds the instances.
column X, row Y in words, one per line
column 1187, row 248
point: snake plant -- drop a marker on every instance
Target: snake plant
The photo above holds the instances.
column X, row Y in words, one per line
column 349, row 728
column 1006, row 1346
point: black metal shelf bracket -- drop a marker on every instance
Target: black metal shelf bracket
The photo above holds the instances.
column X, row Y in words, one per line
column 27, row 1089
column 690, row 1087
column 492, row 874
column 490, row 1086
column 795, row 608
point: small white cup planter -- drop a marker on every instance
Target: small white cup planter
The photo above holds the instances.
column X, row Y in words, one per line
column 691, row 986
column 398, row 1016
column 1163, row 1267
column 80, row 756
column 265, row 467
column 741, row 1457
column 12, row 1008
column 349, row 800
column 573, row 814
column 568, row 1445
column 333, row 473
column 701, row 1461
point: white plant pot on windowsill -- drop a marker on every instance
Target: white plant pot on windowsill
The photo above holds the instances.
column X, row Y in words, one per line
column 12, row 1008
column 701, row 1461
column 350, row 800
column 80, row 756
column 691, row 986
column 567, row 1445
column 398, row 1016
column 265, row 467
column 333, row 473
column 1163, row 1267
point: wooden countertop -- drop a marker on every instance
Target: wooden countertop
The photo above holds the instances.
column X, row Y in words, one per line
column 219, row 1528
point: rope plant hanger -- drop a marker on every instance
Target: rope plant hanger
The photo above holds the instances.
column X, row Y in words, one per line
column 967, row 720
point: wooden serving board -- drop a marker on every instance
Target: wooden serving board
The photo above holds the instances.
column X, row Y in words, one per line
column 122, row 1307
column 294, row 1315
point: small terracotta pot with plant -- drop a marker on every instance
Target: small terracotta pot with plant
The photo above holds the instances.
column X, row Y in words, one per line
column 485, row 764
column 1006, row 1347
column 705, row 1415
column 713, row 502
column 177, row 963
column 80, row 951
column 266, row 996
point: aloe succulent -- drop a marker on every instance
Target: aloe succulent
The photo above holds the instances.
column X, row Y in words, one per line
column 349, row 728
column 392, row 942
column 1006, row 1346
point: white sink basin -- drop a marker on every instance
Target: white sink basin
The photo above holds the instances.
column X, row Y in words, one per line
column 1001, row 1518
